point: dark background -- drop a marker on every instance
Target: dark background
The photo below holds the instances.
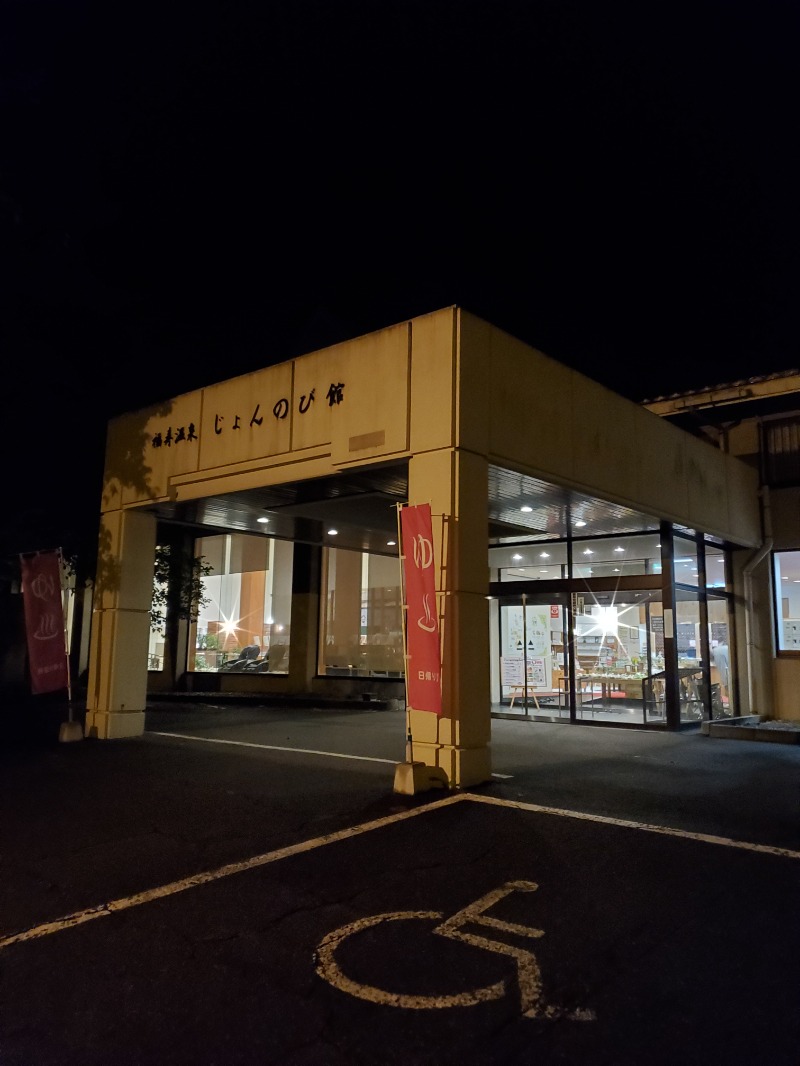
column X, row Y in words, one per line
column 193, row 191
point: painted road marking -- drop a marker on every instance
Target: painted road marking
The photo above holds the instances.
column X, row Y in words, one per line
column 102, row 910
column 299, row 751
column 274, row 747
column 645, row 827
column 529, row 981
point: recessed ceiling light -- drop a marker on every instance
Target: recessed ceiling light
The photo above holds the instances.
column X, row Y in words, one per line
column 580, row 522
column 332, row 532
column 588, row 551
column 619, row 549
column 543, row 570
column 390, row 543
column 544, row 555
column 526, row 508
column 262, row 520
column 616, row 570
column 516, row 558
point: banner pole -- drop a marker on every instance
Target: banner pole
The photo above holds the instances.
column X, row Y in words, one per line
column 409, row 738
column 70, row 730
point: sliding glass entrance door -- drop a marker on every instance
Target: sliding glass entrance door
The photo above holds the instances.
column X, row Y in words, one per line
column 594, row 657
column 529, row 660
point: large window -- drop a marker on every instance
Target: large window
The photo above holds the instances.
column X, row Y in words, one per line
column 361, row 615
column 787, row 599
column 246, row 625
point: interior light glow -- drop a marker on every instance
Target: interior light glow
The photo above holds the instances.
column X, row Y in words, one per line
column 262, row 520
column 588, row 551
column 607, row 618
column 516, row 558
column 580, row 523
column 391, row 543
column 526, row 508
column 333, row 532
column 544, row 555
column 619, row 549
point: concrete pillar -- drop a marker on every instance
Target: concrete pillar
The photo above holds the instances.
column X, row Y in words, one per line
column 117, row 689
column 455, row 483
column 305, row 616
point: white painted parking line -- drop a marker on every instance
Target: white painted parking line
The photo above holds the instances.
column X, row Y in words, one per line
column 299, row 751
column 103, row 910
column 684, row 834
column 274, row 747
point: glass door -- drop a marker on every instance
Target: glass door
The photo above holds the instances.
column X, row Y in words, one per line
column 619, row 658
column 595, row 657
column 528, row 660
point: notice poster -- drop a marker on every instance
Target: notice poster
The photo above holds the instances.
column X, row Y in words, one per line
column 423, row 665
column 511, row 670
column 526, row 638
column 44, row 621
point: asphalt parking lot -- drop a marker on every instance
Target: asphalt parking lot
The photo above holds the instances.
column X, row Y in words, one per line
column 243, row 886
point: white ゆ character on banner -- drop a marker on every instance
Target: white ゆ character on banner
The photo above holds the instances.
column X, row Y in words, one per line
column 423, row 560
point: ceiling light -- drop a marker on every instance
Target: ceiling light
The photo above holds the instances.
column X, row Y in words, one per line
column 543, row 570
column 544, row 555
column 516, row 558
column 262, row 520
column 580, row 523
column 588, row 551
column 391, row 543
column 332, row 532
column 616, row 570
column 619, row 549
column 526, row 508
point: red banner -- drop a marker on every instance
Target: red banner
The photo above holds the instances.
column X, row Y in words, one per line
column 423, row 666
column 44, row 621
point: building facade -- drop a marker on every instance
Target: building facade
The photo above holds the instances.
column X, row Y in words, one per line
column 593, row 562
column 757, row 420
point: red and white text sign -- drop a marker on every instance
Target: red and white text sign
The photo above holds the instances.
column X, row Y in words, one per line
column 423, row 666
column 44, row 621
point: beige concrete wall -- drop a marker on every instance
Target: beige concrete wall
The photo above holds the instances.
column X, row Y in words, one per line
column 550, row 421
column 348, row 404
column 117, row 686
column 786, row 689
column 442, row 380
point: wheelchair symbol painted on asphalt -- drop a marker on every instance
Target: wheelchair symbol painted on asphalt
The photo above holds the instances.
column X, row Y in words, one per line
column 529, row 982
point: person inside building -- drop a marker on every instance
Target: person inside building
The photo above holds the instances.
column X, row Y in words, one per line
column 719, row 656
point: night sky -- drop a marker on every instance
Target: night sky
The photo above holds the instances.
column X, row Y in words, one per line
column 193, row 191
